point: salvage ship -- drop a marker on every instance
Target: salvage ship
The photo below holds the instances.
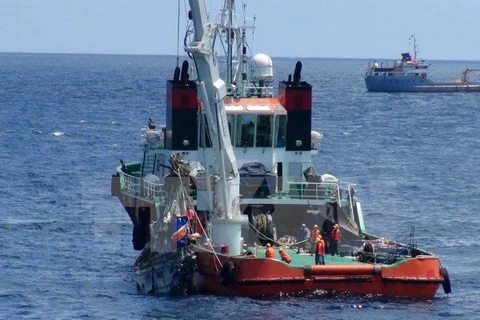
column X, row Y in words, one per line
column 232, row 171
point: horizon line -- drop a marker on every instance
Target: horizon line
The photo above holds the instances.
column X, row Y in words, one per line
column 185, row 55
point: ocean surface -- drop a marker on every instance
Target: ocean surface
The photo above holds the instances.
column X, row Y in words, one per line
column 65, row 243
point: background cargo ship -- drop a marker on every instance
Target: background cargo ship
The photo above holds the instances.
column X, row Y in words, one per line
column 411, row 75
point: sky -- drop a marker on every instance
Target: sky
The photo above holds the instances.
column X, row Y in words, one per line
column 371, row 29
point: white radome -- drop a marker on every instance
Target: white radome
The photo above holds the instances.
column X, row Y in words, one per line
column 262, row 67
column 316, row 137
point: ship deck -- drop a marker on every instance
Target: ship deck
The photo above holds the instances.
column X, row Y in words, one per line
column 448, row 88
column 305, row 259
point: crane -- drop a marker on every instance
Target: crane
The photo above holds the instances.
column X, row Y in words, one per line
column 465, row 74
column 226, row 219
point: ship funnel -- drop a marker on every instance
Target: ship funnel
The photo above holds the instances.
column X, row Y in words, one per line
column 176, row 75
column 184, row 75
column 296, row 74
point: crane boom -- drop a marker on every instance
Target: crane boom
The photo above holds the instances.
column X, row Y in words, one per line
column 466, row 72
column 212, row 91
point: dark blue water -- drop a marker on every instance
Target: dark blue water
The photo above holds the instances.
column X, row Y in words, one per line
column 66, row 252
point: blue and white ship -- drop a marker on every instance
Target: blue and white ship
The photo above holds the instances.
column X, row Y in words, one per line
column 410, row 75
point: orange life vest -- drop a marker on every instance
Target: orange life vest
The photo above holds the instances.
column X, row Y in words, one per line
column 320, row 247
column 270, row 253
column 285, row 257
column 180, row 233
column 190, row 214
column 336, row 234
column 315, row 233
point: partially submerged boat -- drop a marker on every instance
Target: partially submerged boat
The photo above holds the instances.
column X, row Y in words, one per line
column 232, row 171
column 411, row 75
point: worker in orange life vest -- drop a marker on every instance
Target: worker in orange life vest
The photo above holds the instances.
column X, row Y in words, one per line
column 313, row 237
column 319, row 251
column 285, row 257
column 335, row 238
column 269, row 252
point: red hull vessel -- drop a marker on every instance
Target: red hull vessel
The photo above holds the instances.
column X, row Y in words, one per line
column 252, row 277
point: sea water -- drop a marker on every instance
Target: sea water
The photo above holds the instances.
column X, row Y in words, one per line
column 66, row 120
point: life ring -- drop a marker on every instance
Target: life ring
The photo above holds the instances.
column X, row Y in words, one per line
column 414, row 62
column 447, row 287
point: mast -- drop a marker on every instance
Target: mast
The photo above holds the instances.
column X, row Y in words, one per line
column 229, row 5
column 415, row 47
column 234, row 43
column 243, row 58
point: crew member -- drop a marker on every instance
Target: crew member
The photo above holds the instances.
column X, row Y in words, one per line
column 303, row 234
column 269, row 252
column 313, row 237
column 284, row 255
column 335, row 238
column 319, row 251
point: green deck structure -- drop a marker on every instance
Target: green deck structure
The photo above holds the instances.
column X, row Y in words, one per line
column 305, row 259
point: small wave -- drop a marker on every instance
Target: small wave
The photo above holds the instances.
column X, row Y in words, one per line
column 58, row 133
column 40, row 224
column 83, row 121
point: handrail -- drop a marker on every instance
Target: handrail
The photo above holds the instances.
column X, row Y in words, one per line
column 131, row 184
column 328, row 191
column 315, row 190
column 152, row 190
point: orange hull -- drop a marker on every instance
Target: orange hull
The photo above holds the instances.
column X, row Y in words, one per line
column 252, row 277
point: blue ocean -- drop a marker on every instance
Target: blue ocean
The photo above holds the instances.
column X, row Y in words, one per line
column 65, row 243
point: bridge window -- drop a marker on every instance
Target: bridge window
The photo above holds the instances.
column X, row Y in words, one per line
column 280, row 131
column 231, row 125
column 244, row 130
column 264, row 131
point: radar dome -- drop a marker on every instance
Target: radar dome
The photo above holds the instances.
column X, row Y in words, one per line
column 329, row 178
column 316, row 137
column 262, row 67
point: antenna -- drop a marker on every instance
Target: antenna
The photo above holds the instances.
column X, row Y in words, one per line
column 178, row 33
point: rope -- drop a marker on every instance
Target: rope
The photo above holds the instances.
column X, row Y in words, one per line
column 258, row 231
column 273, row 240
column 185, row 196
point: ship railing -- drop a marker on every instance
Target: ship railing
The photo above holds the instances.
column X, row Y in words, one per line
column 327, row 191
column 137, row 186
column 153, row 190
column 154, row 145
column 259, row 91
column 129, row 183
